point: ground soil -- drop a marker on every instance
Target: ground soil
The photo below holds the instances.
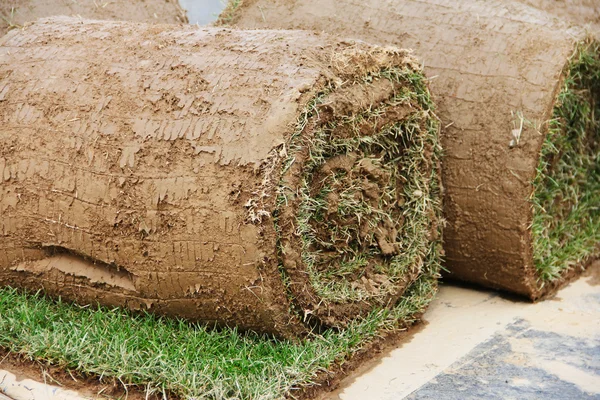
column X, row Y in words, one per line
column 490, row 62
column 163, row 148
column 18, row 13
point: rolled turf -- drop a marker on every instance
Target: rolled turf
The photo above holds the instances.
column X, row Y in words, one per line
column 97, row 158
column 15, row 14
column 578, row 12
column 273, row 181
column 517, row 93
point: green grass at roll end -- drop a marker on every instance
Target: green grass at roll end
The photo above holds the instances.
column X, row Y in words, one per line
column 566, row 200
column 402, row 144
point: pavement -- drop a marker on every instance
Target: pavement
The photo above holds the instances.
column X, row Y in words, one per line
column 12, row 388
column 479, row 345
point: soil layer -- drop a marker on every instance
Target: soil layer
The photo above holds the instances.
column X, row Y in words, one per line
column 142, row 166
column 496, row 68
column 19, row 13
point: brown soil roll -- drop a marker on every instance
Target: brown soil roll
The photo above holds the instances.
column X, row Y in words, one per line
column 579, row 12
column 493, row 65
column 17, row 13
column 160, row 168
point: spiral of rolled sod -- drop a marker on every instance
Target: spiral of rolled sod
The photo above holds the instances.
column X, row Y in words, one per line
column 17, row 14
column 276, row 181
column 518, row 94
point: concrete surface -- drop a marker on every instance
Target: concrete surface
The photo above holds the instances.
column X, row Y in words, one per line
column 479, row 345
column 12, row 388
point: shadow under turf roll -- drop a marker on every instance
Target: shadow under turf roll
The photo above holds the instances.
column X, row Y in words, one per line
column 275, row 181
column 517, row 92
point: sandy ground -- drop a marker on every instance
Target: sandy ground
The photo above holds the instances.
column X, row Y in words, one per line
column 474, row 344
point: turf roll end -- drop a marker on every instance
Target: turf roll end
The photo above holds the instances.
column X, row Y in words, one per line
column 566, row 198
column 368, row 207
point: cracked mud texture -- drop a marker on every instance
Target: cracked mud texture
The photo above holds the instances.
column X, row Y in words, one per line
column 18, row 13
column 139, row 163
column 489, row 62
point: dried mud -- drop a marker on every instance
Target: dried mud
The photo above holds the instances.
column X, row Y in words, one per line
column 140, row 166
column 489, row 62
column 18, row 13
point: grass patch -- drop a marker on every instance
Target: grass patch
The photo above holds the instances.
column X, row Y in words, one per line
column 190, row 361
column 566, row 200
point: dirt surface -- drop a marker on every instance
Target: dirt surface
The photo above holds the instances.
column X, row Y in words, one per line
column 489, row 62
column 577, row 12
column 162, row 152
column 19, row 13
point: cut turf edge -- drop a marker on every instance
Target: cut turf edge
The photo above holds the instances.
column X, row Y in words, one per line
column 566, row 198
column 406, row 151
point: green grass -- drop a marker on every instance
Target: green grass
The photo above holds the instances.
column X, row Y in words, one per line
column 190, row 361
column 566, row 200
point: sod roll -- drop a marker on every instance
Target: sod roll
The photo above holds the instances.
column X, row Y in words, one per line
column 275, row 181
column 579, row 12
column 15, row 14
column 518, row 95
